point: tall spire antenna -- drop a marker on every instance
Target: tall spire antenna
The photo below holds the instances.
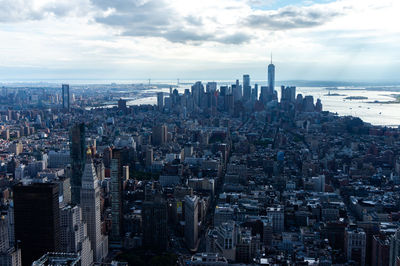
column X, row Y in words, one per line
column 271, row 57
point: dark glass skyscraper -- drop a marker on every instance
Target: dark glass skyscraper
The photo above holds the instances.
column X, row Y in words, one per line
column 37, row 220
column 65, row 96
column 197, row 92
column 159, row 135
column 154, row 215
column 78, row 157
column 246, row 87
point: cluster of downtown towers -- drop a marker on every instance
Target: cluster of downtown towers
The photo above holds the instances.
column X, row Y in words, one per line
column 234, row 93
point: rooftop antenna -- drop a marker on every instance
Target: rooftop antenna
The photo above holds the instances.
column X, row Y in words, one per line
column 271, row 57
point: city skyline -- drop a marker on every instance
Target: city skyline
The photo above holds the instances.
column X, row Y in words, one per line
column 310, row 40
column 184, row 132
column 209, row 175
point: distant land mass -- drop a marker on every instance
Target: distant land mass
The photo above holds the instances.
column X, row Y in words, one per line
column 324, row 83
column 356, row 98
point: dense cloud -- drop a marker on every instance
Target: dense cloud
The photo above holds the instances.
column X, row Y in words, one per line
column 160, row 19
column 26, row 10
column 134, row 13
column 137, row 18
column 16, row 10
column 156, row 18
column 290, row 17
column 236, row 38
column 197, row 21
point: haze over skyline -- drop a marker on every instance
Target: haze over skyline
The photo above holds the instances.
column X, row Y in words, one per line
column 139, row 39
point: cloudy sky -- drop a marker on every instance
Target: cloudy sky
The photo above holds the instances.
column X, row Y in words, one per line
column 199, row 39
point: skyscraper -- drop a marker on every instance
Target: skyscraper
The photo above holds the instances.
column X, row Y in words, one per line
column 254, row 95
column 318, row 105
column 122, row 104
column 154, row 216
column 4, row 239
column 159, row 135
column 9, row 255
column 355, row 245
column 107, row 155
column 116, row 204
column 308, row 104
column 191, row 221
column 65, row 96
column 37, row 220
column 160, row 100
column 246, row 87
column 223, row 90
column 77, row 152
column 74, row 237
column 288, row 94
column 229, row 103
column 90, row 204
column 271, row 76
column 211, row 86
column 197, row 92
column 237, row 91
column 149, row 156
column 264, row 95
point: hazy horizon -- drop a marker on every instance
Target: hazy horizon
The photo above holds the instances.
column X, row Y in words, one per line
column 260, row 82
